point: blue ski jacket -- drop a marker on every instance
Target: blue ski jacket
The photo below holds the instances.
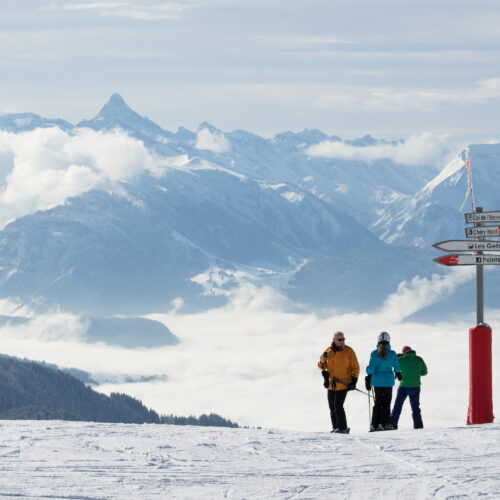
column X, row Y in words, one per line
column 381, row 369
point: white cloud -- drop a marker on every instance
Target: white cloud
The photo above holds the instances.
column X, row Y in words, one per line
column 42, row 168
column 423, row 149
column 292, row 196
column 431, row 99
column 139, row 11
column 14, row 308
column 213, row 141
column 421, row 292
column 365, row 54
column 254, row 360
column 402, row 100
column 93, row 5
column 49, row 327
column 304, row 41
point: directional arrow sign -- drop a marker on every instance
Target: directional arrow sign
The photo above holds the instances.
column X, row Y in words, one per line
column 478, row 217
column 468, row 260
column 467, row 246
column 472, row 232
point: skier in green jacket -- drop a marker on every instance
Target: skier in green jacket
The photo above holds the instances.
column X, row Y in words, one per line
column 412, row 368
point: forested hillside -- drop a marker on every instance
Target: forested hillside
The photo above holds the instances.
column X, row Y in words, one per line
column 30, row 390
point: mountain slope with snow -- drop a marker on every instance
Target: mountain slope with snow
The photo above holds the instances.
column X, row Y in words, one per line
column 22, row 122
column 433, row 214
column 129, row 216
column 56, row 459
column 140, row 250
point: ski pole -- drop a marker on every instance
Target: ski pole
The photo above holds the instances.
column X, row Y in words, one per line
column 369, row 410
column 356, row 389
column 363, row 392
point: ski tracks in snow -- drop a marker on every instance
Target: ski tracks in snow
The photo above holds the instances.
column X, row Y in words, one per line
column 90, row 461
column 441, row 464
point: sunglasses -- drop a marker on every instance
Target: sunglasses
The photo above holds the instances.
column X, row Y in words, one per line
column 341, row 340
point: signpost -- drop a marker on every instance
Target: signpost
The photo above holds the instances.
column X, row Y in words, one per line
column 468, row 260
column 467, row 246
column 480, row 359
column 477, row 217
column 481, row 232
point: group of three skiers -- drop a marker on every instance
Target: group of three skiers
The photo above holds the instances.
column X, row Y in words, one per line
column 340, row 370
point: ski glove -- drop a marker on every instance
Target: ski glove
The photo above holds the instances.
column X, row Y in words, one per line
column 399, row 376
column 352, row 384
column 326, row 380
column 323, row 357
column 368, row 380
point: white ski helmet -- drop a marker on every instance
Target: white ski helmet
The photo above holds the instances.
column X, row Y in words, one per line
column 383, row 336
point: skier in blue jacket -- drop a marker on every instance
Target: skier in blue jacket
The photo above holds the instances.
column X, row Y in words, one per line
column 383, row 365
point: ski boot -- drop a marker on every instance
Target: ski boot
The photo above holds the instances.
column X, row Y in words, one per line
column 342, row 431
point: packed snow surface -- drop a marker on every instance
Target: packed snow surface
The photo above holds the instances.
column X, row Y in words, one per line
column 55, row 459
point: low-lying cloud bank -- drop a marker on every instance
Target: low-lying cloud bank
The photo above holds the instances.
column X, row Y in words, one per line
column 254, row 360
column 42, row 168
column 423, row 149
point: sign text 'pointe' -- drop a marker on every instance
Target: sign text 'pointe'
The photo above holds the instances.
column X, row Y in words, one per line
column 468, row 260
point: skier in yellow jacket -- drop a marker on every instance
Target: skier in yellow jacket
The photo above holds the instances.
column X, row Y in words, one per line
column 340, row 369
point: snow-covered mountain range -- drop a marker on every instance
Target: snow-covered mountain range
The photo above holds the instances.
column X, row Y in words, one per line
column 207, row 209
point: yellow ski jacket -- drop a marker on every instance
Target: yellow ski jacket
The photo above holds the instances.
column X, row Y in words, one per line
column 342, row 364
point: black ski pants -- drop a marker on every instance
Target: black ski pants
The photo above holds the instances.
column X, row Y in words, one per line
column 337, row 413
column 382, row 406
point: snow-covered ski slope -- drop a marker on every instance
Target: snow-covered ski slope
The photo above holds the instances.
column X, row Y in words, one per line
column 55, row 459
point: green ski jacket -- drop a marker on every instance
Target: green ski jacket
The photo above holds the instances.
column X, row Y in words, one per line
column 412, row 368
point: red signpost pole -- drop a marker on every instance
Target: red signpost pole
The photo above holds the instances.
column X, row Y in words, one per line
column 480, row 360
column 480, row 375
column 480, row 385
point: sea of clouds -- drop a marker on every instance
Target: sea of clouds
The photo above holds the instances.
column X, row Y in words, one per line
column 255, row 359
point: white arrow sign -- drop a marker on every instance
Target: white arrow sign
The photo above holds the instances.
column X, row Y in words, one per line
column 472, row 232
column 478, row 217
column 467, row 246
column 468, row 260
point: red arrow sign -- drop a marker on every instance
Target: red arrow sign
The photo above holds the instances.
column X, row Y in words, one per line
column 448, row 260
column 469, row 260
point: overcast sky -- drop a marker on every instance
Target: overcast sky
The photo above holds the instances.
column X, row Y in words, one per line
column 349, row 67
